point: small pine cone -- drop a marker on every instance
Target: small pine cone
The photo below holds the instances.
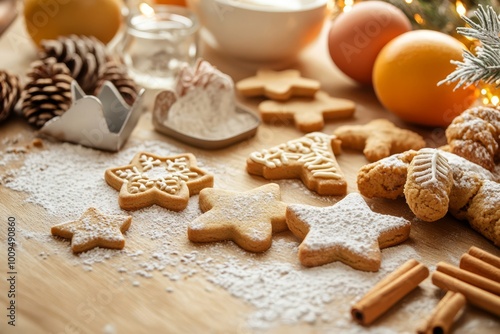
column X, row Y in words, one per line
column 10, row 92
column 84, row 56
column 48, row 91
column 117, row 74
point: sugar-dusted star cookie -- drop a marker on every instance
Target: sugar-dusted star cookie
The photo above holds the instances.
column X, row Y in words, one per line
column 310, row 158
column 278, row 86
column 308, row 114
column 94, row 229
column 165, row 181
column 347, row 231
column 378, row 139
column 247, row 218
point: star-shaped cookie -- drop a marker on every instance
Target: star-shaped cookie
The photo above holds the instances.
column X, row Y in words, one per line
column 247, row 218
column 310, row 158
column 94, row 229
column 308, row 114
column 150, row 179
column 279, row 86
column 348, row 231
column 378, row 139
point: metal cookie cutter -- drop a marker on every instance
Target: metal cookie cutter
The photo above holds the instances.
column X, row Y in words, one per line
column 166, row 99
column 104, row 122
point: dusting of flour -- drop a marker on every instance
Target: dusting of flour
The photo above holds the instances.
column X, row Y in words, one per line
column 66, row 179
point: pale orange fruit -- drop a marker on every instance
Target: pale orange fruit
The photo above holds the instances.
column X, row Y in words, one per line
column 407, row 71
column 51, row 19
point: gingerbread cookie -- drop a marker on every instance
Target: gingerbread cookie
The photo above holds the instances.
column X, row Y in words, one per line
column 378, row 139
column 474, row 195
column 483, row 212
column 310, row 158
column 428, row 185
column 308, row 114
column 347, row 231
column 386, row 177
column 277, row 85
column 475, row 135
column 150, row 179
column 247, row 218
column 94, row 229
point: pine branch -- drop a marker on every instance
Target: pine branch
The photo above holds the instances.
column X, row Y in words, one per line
column 487, row 30
column 485, row 66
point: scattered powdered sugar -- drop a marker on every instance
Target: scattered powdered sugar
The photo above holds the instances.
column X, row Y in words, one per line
column 458, row 163
column 66, row 179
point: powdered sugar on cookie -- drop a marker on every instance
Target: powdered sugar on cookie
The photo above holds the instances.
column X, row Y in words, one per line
column 94, row 229
column 247, row 218
column 347, row 231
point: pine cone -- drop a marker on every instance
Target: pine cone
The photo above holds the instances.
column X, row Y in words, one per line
column 84, row 56
column 9, row 93
column 48, row 91
column 117, row 74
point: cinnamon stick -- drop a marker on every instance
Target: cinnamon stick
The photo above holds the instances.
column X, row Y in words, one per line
column 469, row 277
column 444, row 313
column 485, row 256
column 476, row 296
column 395, row 274
column 477, row 266
column 389, row 291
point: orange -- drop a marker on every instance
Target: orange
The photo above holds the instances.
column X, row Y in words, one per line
column 406, row 73
column 171, row 2
column 51, row 19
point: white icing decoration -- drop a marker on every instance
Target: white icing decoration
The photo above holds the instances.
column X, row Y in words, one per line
column 175, row 172
column 429, row 167
column 313, row 150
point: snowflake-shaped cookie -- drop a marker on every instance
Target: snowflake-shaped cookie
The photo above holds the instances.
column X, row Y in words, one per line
column 151, row 179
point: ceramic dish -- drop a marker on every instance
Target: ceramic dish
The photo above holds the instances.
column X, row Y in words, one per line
column 164, row 102
column 258, row 30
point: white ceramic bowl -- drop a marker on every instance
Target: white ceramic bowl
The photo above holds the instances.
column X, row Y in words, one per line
column 257, row 31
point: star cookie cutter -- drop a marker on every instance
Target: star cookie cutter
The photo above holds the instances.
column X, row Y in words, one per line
column 104, row 122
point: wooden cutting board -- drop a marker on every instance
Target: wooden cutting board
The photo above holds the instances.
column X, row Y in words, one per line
column 57, row 294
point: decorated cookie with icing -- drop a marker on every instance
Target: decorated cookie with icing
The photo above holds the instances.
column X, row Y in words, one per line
column 94, row 229
column 310, row 158
column 428, row 184
column 151, row 179
column 474, row 195
column 247, row 218
column 347, row 231
column 277, row 85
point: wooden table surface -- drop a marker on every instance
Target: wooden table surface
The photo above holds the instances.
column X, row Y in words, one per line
column 55, row 295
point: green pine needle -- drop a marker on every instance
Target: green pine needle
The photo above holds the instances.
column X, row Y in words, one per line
column 485, row 65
